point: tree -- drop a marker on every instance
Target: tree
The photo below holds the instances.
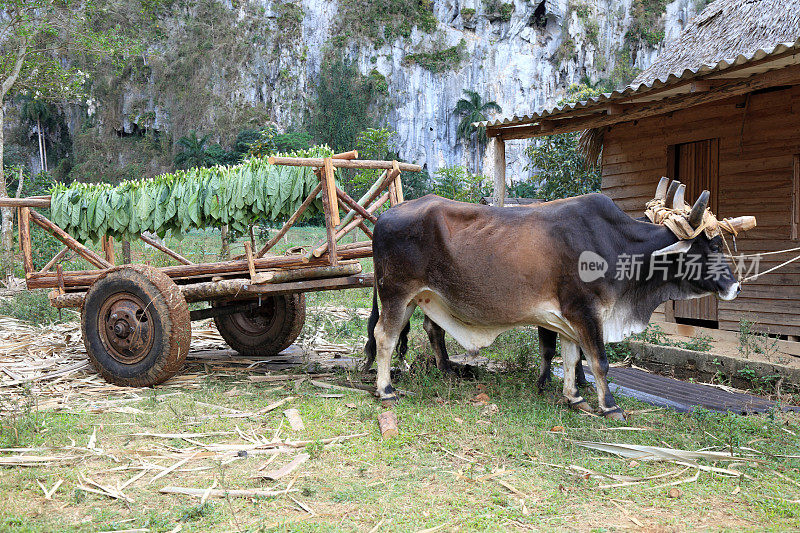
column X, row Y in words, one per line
column 38, row 112
column 473, row 109
column 457, row 183
column 194, row 153
column 39, row 41
column 558, row 170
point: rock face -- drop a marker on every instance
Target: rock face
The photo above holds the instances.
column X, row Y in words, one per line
column 523, row 54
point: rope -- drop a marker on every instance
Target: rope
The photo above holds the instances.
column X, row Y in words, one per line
column 756, row 276
column 773, row 269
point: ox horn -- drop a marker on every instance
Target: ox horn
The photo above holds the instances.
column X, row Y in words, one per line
column 742, row 223
column 698, row 209
column 661, row 190
column 678, row 202
column 673, row 188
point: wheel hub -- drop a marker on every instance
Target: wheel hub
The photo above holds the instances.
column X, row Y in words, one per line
column 256, row 321
column 126, row 328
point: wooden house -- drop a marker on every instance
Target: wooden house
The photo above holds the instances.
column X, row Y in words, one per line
column 719, row 109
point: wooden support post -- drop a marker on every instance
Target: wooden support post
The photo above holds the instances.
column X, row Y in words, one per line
column 365, row 229
column 58, row 257
column 67, row 239
column 107, row 243
column 251, row 266
column 289, row 223
column 25, row 239
column 399, row 188
column 329, row 200
column 330, row 183
column 60, row 277
column 158, row 246
column 499, row 167
column 347, row 228
column 392, row 193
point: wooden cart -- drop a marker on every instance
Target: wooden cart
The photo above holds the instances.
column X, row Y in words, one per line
column 135, row 319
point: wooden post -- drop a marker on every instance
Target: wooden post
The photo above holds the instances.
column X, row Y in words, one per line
column 498, row 148
column 126, row 251
column 70, row 241
column 25, row 239
column 399, row 188
column 333, row 198
column 328, row 190
column 107, row 243
column 251, row 266
column 58, row 257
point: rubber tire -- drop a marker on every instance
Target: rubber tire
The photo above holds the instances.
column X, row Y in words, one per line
column 171, row 326
column 291, row 315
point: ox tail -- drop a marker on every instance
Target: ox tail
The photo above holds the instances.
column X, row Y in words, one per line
column 370, row 347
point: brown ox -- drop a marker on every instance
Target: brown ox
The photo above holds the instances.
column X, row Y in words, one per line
column 477, row 271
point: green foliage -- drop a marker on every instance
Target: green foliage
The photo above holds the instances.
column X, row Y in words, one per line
column 565, row 51
column 647, row 22
column 382, row 20
column 558, row 171
column 578, row 92
column 197, row 198
column 341, row 109
column 458, row 184
column 290, row 20
column 497, row 10
column 379, row 80
column 753, row 342
column 270, row 142
column 473, row 109
column 467, row 13
column 416, row 184
column 33, row 306
column 439, row 60
column 372, row 143
column 194, row 152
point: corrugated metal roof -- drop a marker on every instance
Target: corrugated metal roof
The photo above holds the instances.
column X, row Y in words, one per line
column 640, row 93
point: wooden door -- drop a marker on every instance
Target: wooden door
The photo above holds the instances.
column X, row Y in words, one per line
column 696, row 165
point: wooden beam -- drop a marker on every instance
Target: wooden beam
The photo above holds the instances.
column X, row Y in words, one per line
column 330, row 182
column 251, row 265
column 25, row 239
column 328, row 204
column 398, row 183
column 498, row 147
column 158, row 246
column 42, row 202
column 344, row 197
column 730, row 89
column 70, row 241
column 341, row 232
column 341, row 163
column 615, row 109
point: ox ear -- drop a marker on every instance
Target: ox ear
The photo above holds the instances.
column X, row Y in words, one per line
column 680, row 247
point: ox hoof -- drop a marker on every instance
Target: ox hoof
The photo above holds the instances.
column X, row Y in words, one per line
column 580, row 404
column 615, row 414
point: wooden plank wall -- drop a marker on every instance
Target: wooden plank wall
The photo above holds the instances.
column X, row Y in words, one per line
column 759, row 139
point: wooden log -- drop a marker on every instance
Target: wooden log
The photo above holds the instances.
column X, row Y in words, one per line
column 292, row 220
column 84, row 278
column 387, row 422
column 392, row 193
column 348, row 268
column 352, row 245
column 352, row 204
column 107, row 243
column 251, row 265
column 352, row 154
column 399, row 185
column 60, row 279
column 25, row 239
column 67, row 300
column 158, row 246
column 41, row 202
column 213, row 290
column 219, row 493
column 67, row 239
column 333, row 198
column 328, row 205
column 341, row 163
column 58, row 257
column 314, row 285
column 365, row 229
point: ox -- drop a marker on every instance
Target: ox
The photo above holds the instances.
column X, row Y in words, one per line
column 477, row 271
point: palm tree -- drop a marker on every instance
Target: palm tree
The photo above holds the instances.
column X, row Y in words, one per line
column 38, row 112
column 473, row 109
column 195, row 153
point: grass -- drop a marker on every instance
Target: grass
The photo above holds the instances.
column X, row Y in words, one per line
column 442, row 471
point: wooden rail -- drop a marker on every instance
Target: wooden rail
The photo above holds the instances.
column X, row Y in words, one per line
column 342, row 163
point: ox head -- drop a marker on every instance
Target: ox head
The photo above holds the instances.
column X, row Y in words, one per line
column 698, row 261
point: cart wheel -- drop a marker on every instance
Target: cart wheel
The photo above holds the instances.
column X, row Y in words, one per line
column 135, row 325
column 266, row 330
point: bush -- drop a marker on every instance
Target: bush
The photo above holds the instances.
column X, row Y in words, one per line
column 439, row 60
column 33, row 307
column 458, row 184
column 558, row 170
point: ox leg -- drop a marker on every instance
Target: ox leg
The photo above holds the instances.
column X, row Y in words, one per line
column 436, row 336
column 596, row 354
column 571, row 354
column 387, row 332
column 547, row 346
